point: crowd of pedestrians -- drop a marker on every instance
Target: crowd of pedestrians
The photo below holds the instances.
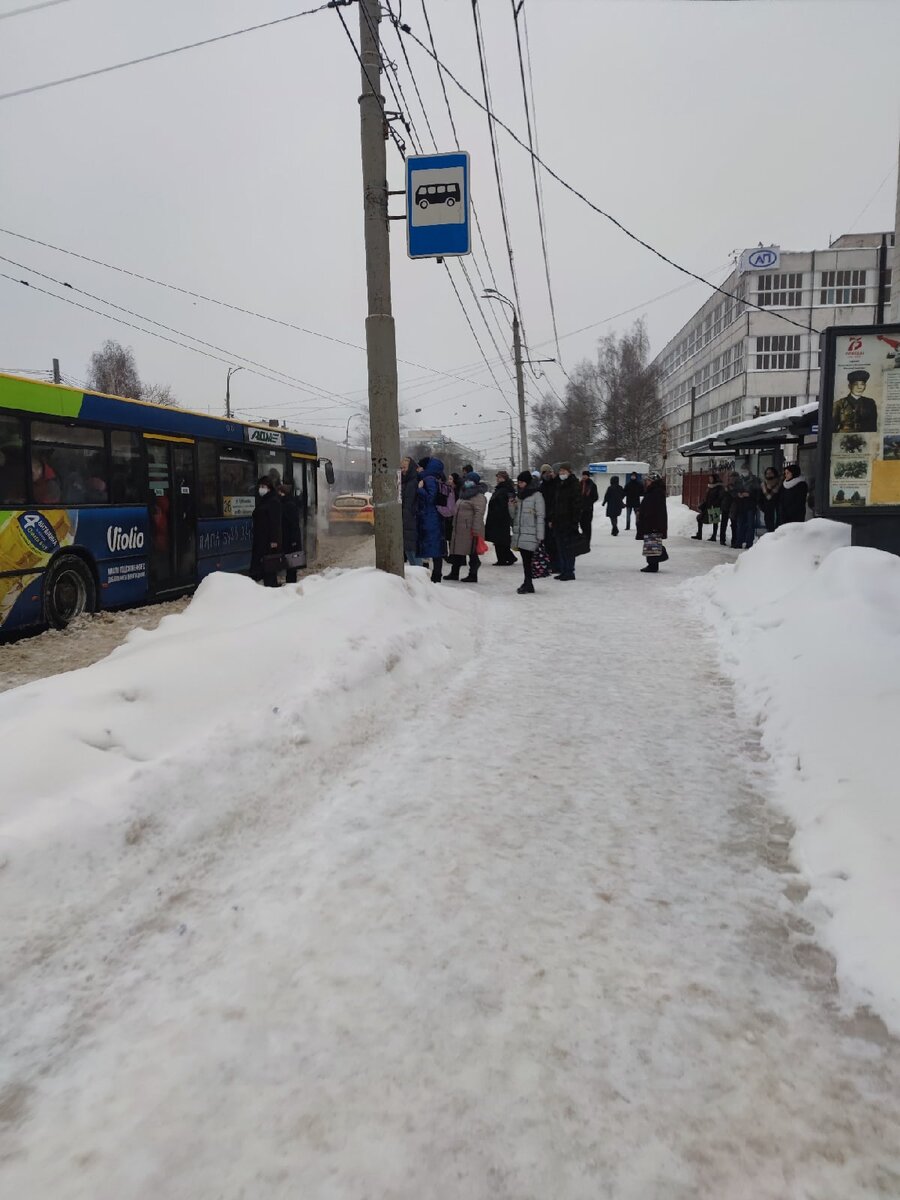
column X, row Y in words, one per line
column 546, row 517
column 740, row 498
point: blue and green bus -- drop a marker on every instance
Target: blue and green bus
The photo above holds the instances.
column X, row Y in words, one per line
column 107, row 502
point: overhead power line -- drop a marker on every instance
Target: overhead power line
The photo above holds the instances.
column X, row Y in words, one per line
column 249, row 312
column 268, row 373
column 145, row 58
column 487, row 107
column 531, row 117
column 596, row 207
column 30, row 8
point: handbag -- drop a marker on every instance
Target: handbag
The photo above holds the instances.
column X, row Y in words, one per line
column 540, row 563
column 294, row 559
column 653, row 546
column 580, row 545
column 272, row 563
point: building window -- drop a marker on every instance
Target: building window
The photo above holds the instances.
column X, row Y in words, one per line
column 778, row 352
column 843, row 287
column 780, row 291
column 774, row 404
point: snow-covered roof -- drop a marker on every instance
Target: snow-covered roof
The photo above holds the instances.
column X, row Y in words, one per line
column 789, row 422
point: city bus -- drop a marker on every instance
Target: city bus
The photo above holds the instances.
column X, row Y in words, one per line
column 107, row 502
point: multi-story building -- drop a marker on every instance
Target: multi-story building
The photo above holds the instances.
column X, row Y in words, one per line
column 744, row 362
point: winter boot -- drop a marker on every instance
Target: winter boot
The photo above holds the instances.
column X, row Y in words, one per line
column 472, row 577
column 454, row 572
column 526, row 589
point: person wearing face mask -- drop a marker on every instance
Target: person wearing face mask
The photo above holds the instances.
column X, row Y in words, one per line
column 770, row 499
column 745, row 490
column 566, row 513
column 527, row 510
column 497, row 525
column 267, row 532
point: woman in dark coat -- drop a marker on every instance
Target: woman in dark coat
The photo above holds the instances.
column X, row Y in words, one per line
column 498, row 526
column 710, row 510
column 770, row 499
column 653, row 519
column 564, row 521
column 266, row 533
column 291, row 538
column 429, row 522
column 409, row 484
column 614, row 502
column 794, row 491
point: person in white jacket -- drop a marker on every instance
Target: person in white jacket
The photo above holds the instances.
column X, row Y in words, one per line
column 528, row 521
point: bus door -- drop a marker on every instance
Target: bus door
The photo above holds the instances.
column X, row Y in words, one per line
column 172, row 512
column 305, row 491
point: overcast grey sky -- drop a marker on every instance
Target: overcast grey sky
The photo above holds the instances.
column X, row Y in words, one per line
column 234, row 170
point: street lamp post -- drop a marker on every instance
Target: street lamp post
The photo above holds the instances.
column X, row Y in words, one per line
column 231, row 371
column 493, row 294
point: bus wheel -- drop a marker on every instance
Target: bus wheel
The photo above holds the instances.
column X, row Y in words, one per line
column 69, row 590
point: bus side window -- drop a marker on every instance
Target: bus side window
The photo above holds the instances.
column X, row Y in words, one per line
column 127, row 476
column 208, row 484
column 68, row 464
column 12, row 460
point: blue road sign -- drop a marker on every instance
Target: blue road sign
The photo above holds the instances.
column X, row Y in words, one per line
column 437, row 205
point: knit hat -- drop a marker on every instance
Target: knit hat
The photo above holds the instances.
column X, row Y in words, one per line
column 546, row 467
column 524, row 477
column 475, row 477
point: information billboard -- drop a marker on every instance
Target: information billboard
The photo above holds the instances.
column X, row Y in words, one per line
column 859, row 436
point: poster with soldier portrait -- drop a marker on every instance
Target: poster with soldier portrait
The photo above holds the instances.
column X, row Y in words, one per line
column 861, row 434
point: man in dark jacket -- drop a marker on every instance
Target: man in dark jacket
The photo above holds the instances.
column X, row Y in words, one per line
column 564, row 522
column 266, row 534
column 634, row 491
column 653, row 519
column 547, row 487
column 589, row 497
column 291, row 536
column 614, row 502
column 498, row 526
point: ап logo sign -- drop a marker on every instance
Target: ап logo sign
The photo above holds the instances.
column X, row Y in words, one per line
column 761, row 259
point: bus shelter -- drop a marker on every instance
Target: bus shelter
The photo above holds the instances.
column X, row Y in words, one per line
column 761, row 439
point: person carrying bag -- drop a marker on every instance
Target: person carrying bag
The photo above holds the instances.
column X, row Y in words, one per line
column 653, row 524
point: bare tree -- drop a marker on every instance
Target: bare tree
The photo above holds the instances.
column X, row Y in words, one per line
column 158, row 393
column 112, row 370
column 631, row 412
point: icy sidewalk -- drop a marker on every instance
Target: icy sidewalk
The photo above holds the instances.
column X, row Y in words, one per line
column 522, row 932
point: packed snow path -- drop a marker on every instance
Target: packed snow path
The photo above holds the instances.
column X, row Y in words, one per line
column 528, row 933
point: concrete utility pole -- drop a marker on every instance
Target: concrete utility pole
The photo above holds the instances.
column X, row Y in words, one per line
column 895, row 278
column 520, row 385
column 493, row 294
column 381, row 344
column 56, row 375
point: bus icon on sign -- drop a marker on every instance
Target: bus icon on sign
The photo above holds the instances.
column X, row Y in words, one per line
column 763, row 258
column 437, row 193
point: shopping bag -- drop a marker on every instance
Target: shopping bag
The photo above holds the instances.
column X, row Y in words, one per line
column 713, row 516
column 653, row 546
column 540, row 564
column 273, row 563
column 580, row 545
column 480, row 545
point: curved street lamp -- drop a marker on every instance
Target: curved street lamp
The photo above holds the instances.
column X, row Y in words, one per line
column 231, row 371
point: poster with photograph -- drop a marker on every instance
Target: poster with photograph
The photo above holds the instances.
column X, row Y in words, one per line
column 865, row 420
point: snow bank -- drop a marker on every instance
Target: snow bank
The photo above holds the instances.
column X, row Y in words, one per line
column 682, row 520
column 218, row 709
column 810, row 629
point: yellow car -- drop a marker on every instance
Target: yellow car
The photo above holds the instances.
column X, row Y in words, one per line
column 352, row 510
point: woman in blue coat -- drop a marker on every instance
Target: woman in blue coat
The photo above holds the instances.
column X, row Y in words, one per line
column 429, row 522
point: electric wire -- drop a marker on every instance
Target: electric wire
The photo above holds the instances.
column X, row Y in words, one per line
column 249, row 312
column 600, row 211
column 153, row 333
column 538, row 198
column 376, row 92
column 313, row 389
column 133, row 62
column 488, row 107
column 30, row 8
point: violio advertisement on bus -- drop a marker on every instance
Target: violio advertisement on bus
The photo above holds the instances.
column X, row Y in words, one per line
column 115, row 539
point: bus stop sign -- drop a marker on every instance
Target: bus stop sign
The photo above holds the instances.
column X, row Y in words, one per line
column 437, row 205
